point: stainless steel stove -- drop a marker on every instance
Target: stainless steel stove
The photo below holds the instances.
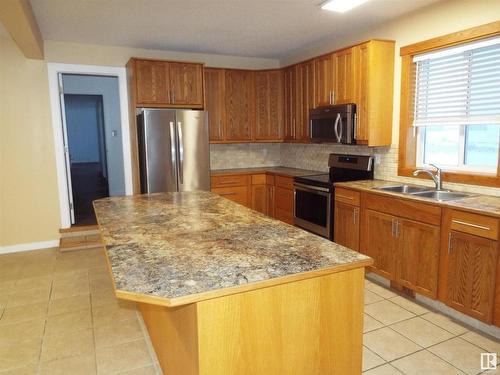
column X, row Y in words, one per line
column 314, row 194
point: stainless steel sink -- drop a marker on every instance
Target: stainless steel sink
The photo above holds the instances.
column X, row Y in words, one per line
column 405, row 189
column 441, row 195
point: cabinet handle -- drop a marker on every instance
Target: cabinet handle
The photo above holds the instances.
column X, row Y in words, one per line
column 228, row 182
column 333, row 97
column 173, row 96
column 470, row 224
column 330, row 97
column 449, row 242
column 397, row 228
column 392, row 228
column 355, row 216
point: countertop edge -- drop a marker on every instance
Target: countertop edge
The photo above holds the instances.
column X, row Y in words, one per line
column 261, row 170
column 193, row 298
column 442, row 204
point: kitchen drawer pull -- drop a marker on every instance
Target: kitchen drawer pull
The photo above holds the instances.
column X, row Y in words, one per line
column 470, row 225
column 230, row 193
column 449, row 242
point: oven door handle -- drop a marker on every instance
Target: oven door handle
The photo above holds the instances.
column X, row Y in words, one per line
column 336, row 127
column 310, row 188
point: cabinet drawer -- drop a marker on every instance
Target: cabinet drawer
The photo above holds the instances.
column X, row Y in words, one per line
column 238, row 194
column 258, row 179
column 479, row 225
column 230, row 180
column 404, row 208
column 284, row 182
column 347, row 196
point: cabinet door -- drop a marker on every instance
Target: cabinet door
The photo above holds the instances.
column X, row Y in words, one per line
column 307, row 100
column 361, row 82
column 259, row 198
column 283, row 204
column 186, row 81
column 380, row 242
column 152, row 82
column 269, row 105
column 290, row 110
column 238, row 194
column 240, row 105
column 471, row 274
column 417, row 257
column 344, row 77
column 214, row 103
column 346, row 225
column 325, row 80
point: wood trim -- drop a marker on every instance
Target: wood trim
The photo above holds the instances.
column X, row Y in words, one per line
column 167, row 60
column 184, row 300
column 407, row 140
column 448, row 40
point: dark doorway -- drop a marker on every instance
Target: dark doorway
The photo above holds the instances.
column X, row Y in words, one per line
column 87, row 153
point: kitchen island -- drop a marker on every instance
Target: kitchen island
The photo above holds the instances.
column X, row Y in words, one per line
column 224, row 289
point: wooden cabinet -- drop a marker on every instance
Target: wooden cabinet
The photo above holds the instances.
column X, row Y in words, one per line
column 344, row 77
column 240, row 105
column 168, row 84
column 469, row 263
column 403, row 238
column 373, row 75
column 325, row 80
column 471, row 275
column 215, row 103
column 259, row 193
column 291, row 108
column 346, row 231
column 270, row 194
column 233, row 187
column 417, row 256
column 269, row 92
column 306, row 99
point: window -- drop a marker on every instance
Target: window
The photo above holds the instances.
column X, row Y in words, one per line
column 450, row 106
column 457, row 107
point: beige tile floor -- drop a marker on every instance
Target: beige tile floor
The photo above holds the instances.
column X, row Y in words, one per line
column 58, row 315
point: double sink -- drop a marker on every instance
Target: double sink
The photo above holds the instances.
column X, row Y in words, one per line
column 425, row 192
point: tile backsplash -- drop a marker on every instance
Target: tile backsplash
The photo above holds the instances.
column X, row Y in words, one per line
column 315, row 157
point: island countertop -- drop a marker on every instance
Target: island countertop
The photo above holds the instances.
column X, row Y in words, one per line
column 172, row 249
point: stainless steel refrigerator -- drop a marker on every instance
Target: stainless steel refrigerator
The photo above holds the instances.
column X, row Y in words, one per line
column 173, row 150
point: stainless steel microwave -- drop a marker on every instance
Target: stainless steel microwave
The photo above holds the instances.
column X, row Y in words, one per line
column 333, row 124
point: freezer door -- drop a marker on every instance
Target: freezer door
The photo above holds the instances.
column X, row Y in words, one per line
column 193, row 150
column 157, row 151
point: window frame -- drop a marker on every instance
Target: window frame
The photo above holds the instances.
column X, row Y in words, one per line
column 408, row 135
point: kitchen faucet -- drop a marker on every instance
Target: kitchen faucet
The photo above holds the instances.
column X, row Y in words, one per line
column 436, row 176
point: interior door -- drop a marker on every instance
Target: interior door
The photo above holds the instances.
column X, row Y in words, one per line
column 157, row 153
column 66, row 149
column 193, row 150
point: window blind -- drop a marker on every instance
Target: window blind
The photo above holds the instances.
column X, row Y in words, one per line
column 459, row 85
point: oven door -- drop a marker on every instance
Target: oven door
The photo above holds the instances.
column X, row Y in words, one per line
column 313, row 209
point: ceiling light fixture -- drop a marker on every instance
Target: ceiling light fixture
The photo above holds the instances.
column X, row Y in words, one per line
column 341, row 6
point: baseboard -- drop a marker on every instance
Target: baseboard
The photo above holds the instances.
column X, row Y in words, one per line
column 29, row 246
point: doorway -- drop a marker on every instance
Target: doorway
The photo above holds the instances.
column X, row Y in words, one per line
column 87, row 154
column 90, row 110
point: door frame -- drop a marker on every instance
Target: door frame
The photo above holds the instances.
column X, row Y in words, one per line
column 54, row 69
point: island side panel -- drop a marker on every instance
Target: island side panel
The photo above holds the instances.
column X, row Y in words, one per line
column 309, row 327
column 173, row 333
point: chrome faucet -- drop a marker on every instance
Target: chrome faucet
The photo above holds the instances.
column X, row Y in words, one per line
column 436, row 176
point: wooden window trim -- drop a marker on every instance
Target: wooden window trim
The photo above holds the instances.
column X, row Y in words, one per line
column 408, row 142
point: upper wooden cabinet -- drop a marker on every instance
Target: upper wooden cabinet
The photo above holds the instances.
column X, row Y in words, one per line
column 345, row 79
column 291, row 107
column 215, row 103
column 373, row 92
column 165, row 84
column 325, row 80
column 240, row 105
column 269, row 103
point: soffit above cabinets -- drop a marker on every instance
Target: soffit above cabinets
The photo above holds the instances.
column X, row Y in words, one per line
column 257, row 28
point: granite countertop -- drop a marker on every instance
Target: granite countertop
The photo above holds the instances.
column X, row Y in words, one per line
column 477, row 203
column 177, row 248
column 282, row 171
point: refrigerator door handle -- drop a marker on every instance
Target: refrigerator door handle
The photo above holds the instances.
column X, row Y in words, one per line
column 173, row 147
column 181, row 152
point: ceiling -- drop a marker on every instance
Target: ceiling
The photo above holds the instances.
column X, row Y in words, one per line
column 256, row 28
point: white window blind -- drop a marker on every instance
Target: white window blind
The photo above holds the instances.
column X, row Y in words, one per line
column 459, row 85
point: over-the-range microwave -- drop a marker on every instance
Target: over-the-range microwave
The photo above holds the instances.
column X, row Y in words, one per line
column 333, row 124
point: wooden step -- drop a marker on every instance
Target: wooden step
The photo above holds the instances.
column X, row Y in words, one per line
column 73, row 243
column 78, row 231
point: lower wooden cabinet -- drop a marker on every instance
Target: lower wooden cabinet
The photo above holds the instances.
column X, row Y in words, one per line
column 346, row 229
column 471, row 274
column 266, row 193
